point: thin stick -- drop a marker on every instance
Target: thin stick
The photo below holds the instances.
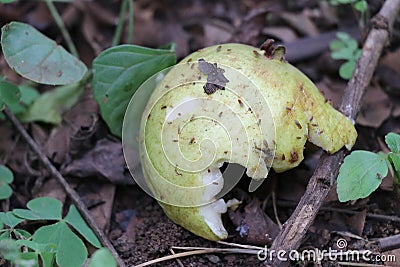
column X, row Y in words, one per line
column 276, row 210
column 177, row 260
column 68, row 189
column 324, row 176
column 63, row 30
column 130, row 21
column 120, row 25
column 290, row 204
column 197, row 251
column 239, row 245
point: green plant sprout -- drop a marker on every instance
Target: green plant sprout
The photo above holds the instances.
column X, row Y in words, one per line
column 362, row 171
column 54, row 243
column 359, row 5
column 345, row 48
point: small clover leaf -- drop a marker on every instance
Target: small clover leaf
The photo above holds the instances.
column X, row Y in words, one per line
column 102, row 258
column 393, row 142
column 6, row 177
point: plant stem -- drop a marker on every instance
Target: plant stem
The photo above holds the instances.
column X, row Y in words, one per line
column 61, row 25
column 121, row 18
column 130, row 21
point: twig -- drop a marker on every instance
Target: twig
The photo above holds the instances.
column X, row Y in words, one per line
column 321, row 182
column 130, row 21
column 177, row 259
column 68, row 189
column 120, row 25
column 388, row 243
column 63, row 30
column 380, row 217
column 196, row 251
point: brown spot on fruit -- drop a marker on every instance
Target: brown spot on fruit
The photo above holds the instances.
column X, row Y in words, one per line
column 240, row 103
column 283, row 157
column 298, row 124
column 191, row 140
column 164, row 107
column 219, row 48
column 293, row 157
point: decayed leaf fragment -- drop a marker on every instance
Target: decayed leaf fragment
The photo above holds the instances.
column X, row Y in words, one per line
column 273, row 124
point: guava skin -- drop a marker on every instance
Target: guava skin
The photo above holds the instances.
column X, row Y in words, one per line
column 275, row 133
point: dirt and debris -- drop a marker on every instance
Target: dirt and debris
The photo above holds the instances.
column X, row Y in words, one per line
column 92, row 160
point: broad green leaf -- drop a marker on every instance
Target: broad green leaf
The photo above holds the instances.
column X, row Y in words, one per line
column 9, row 219
column 71, row 251
column 7, row 1
column 42, row 208
column 38, row 58
column 117, row 74
column 75, row 220
column 360, row 174
column 49, row 106
column 102, row 258
column 347, row 69
column 9, row 93
column 393, row 142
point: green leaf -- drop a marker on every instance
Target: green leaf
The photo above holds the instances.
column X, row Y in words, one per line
column 9, row 250
column 361, row 6
column 6, row 177
column 27, row 259
column 336, row 45
column 35, row 246
column 75, row 220
column 9, row 219
column 360, row 174
column 38, row 58
column 7, row 1
column 28, row 95
column 6, row 174
column 102, row 258
column 345, row 53
column 71, row 251
column 343, row 36
column 9, row 93
column 42, row 208
column 117, row 74
column 393, row 142
column 347, row 69
column 395, row 160
column 49, row 106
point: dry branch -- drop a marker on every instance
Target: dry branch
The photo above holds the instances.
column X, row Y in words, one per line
column 323, row 179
